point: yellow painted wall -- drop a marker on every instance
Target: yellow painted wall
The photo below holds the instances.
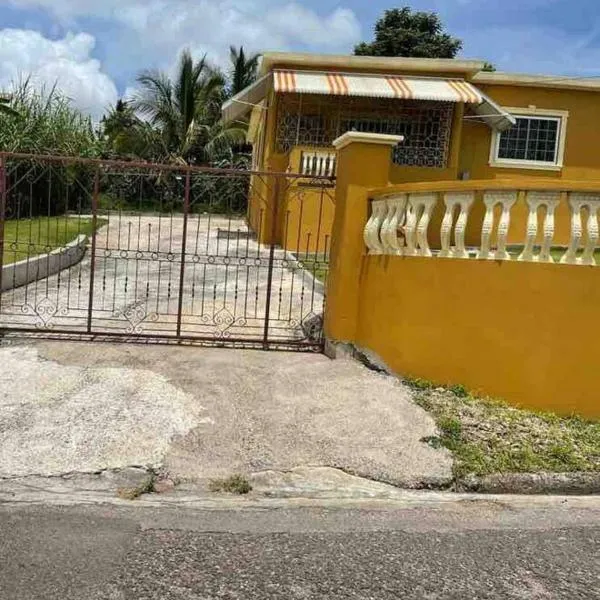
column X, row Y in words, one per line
column 521, row 331
column 469, row 152
column 524, row 332
column 306, row 218
column 583, row 133
column 580, row 162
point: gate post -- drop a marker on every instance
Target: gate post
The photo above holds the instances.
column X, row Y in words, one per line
column 186, row 210
column 2, row 217
column 95, row 194
column 364, row 161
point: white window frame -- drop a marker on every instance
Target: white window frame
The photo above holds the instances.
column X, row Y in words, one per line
column 532, row 112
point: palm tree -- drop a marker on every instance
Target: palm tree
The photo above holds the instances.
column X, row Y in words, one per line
column 243, row 70
column 7, row 109
column 187, row 110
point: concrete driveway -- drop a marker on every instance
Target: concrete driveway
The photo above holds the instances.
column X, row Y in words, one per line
column 198, row 413
column 137, row 278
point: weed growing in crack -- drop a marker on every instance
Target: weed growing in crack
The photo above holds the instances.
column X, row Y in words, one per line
column 235, row 484
column 145, row 487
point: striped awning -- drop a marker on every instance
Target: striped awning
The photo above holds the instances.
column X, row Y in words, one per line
column 376, row 86
column 370, row 85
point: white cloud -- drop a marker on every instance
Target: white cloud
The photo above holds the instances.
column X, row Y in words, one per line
column 141, row 34
column 66, row 62
column 158, row 29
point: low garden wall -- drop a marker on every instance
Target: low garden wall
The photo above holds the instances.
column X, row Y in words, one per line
column 433, row 300
column 520, row 331
column 39, row 267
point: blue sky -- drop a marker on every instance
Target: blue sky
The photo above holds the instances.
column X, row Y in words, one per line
column 94, row 48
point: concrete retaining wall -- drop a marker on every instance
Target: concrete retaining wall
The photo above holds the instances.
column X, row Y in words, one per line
column 44, row 265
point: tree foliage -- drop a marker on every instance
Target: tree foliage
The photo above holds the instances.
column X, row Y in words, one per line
column 402, row 32
column 243, row 70
column 186, row 111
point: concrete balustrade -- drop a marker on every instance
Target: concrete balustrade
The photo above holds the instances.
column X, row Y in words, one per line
column 402, row 224
column 462, row 281
column 318, row 164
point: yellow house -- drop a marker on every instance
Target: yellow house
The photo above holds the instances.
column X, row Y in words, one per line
column 458, row 122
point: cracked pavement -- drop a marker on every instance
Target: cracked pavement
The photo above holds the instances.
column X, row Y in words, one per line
column 201, row 413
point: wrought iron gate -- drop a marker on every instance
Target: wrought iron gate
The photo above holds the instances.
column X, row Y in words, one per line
column 158, row 252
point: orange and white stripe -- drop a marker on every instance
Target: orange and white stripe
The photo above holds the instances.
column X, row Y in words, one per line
column 399, row 87
column 376, row 86
column 338, row 86
column 285, row 81
column 465, row 92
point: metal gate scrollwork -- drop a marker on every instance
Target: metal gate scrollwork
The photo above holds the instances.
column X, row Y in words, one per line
column 122, row 250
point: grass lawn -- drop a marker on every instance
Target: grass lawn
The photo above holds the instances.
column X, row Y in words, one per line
column 316, row 264
column 29, row 237
column 487, row 436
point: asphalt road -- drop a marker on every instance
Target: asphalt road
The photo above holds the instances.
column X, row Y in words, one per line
column 454, row 549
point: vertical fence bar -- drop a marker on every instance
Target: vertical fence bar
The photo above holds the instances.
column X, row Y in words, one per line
column 271, row 261
column 186, row 210
column 93, row 257
column 3, row 193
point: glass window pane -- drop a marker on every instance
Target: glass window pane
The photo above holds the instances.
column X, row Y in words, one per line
column 532, row 139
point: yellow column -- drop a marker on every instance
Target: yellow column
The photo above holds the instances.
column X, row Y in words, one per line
column 364, row 161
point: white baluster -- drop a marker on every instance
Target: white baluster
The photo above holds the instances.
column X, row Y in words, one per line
column 587, row 257
column 534, row 200
column 576, row 204
column 305, row 163
column 332, row 163
column 383, row 233
column 389, row 230
column 531, row 234
column 491, row 200
column 551, row 201
column 410, row 229
column 507, row 199
column 372, row 238
column 486, row 228
column 591, row 202
column 446, row 230
column 367, row 229
column 465, row 201
column 422, row 208
column 453, row 199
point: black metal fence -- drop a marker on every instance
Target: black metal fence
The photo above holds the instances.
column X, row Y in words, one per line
column 134, row 250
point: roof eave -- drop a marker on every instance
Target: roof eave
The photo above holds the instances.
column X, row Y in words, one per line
column 271, row 60
column 540, row 81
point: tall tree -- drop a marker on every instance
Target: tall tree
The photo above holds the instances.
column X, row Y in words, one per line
column 127, row 134
column 243, row 69
column 402, row 32
column 187, row 109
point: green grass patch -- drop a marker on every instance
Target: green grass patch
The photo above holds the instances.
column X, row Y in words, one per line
column 488, row 436
column 317, row 264
column 26, row 238
column 235, row 484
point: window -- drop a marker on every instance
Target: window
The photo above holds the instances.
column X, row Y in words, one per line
column 536, row 141
column 317, row 121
